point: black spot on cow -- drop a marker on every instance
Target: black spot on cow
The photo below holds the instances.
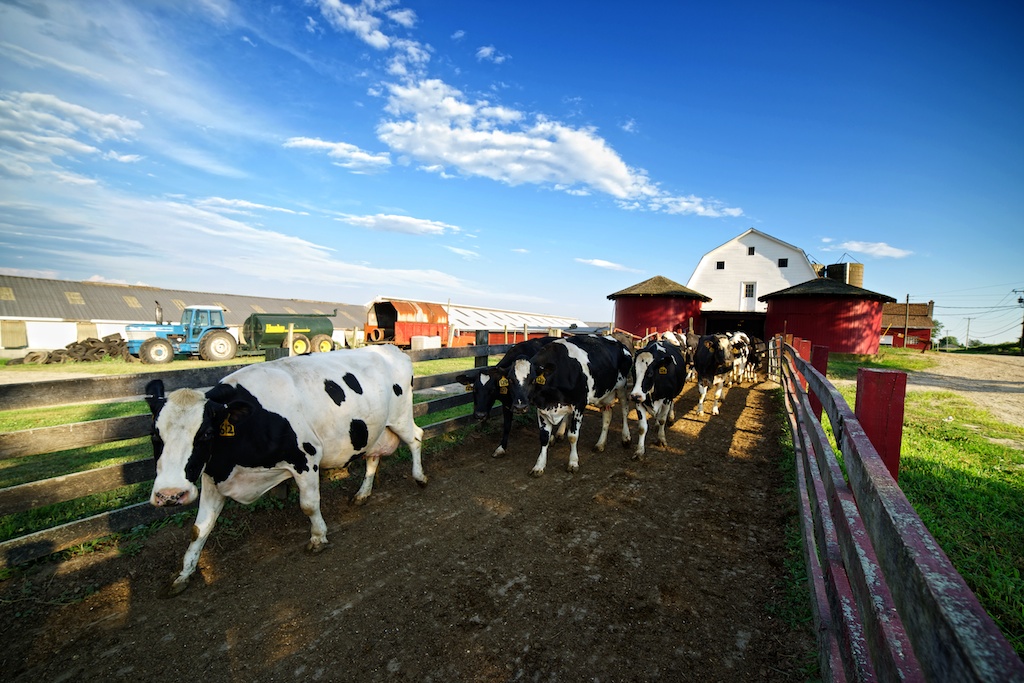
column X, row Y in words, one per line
column 316, row 468
column 309, row 448
column 358, row 434
column 397, row 389
column 352, row 383
column 335, row 391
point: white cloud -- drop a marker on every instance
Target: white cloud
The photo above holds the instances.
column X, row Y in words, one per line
column 876, row 249
column 464, row 253
column 629, row 126
column 343, row 154
column 521, row 251
column 437, row 125
column 490, row 54
column 458, row 35
column 123, row 158
column 241, row 206
column 401, row 224
column 607, row 265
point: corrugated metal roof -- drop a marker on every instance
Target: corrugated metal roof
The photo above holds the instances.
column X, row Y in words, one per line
column 660, row 286
column 464, row 317
column 825, row 287
column 27, row 298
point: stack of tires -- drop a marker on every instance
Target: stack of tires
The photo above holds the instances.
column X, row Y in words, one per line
column 87, row 350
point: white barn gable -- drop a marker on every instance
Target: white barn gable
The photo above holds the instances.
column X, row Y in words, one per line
column 746, row 267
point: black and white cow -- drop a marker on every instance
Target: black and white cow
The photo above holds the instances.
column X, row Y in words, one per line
column 713, row 362
column 755, row 358
column 660, row 372
column 269, row 422
column 687, row 343
column 739, row 343
column 492, row 384
column 563, row 379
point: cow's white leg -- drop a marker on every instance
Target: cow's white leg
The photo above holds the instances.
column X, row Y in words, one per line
column 545, row 440
column 702, row 391
column 624, row 402
column 641, row 430
column 606, row 421
column 719, row 385
column 574, row 437
column 661, row 415
column 371, row 470
column 411, row 436
column 309, row 500
column 211, row 502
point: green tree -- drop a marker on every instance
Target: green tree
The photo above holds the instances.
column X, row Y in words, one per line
column 948, row 342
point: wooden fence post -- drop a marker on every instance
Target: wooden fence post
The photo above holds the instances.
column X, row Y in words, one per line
column 819, row 360
column 483, row 338
column 880, row 403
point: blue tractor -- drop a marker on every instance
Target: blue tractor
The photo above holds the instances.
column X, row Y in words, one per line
column 201, row 332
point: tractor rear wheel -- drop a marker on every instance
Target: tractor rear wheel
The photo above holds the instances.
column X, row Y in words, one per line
column 156, row 351
column 322, row 343
column 218, row 345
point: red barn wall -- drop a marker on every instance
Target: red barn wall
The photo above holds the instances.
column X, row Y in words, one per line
column 923, row 336
column 843, row 325
column 643, row 315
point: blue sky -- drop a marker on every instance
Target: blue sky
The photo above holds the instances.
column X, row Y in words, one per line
column 531, row 156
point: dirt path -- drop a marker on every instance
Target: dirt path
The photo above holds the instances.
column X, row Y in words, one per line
column 995, row 383
column 668, row 568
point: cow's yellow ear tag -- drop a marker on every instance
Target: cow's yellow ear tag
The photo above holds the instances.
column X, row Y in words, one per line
column 226, row 428
column 540, row 379
column 469, row 387
column 503, row 382
column 503, row 390
column 663, row 370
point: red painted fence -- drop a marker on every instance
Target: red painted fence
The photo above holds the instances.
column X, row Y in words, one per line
column 888, row 604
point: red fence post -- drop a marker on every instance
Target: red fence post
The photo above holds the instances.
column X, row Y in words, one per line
column 819, row 360
column 880, row 403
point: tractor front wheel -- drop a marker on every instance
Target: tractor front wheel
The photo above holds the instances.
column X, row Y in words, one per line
column 322, row 343
column 300, row 344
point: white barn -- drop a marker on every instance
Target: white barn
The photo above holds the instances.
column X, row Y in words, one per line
column 746, row 267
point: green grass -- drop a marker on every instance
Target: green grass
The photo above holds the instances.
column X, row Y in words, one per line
column 963, row 472
column 844, row 366
column 118, row 366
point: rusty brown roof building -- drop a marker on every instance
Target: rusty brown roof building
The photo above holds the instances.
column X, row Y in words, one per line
column 921, row 316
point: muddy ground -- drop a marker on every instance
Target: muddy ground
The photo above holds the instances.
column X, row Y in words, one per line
column 671, row 568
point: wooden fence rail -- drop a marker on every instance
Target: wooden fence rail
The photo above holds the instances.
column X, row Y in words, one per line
column 888, row 604
column 69, row 487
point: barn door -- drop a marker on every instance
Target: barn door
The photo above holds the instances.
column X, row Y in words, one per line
column 748, row 296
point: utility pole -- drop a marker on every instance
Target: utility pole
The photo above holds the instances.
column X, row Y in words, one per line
column 967, row 342
column 1020, row 301
column 906, row 323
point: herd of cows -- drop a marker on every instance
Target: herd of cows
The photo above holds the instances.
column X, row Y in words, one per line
column 287, row 419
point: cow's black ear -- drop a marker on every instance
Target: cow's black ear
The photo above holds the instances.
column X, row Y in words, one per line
column 155, row 396
column 221, row 393
column 465, row 379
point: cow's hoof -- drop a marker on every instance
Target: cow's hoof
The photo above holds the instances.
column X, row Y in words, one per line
column 316, row 546
column 572, row 469
column 423, row 482
column 639, row 455
column 626, row 443
column 714, row 411
column 177, row 587
column 498, row 452
column 599, row 448
column 360, row 500
column 536, row 473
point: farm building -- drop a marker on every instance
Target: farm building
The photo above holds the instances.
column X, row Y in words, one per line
column 830, row 313
column 436, row 324
column 657, row 305
column 907, row 325
column 41, row 314
column 736, row 274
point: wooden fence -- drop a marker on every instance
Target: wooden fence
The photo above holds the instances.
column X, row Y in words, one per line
column 130, row 388
column 888, row 604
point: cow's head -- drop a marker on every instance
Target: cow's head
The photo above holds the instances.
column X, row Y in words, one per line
column 648, row 364
column 185, row 424
column 520, row 382
column 488, row 385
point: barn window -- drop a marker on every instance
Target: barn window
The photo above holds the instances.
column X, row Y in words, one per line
column 13, row 334
column 74, row 298
column 289, row 309
column 720, row 265
column 226, row 309
column 750, row 251
column 257, row 308
column 783, row 263
column 748, row 290
column 6, row 294
column 179, row 303
column 132, row 301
